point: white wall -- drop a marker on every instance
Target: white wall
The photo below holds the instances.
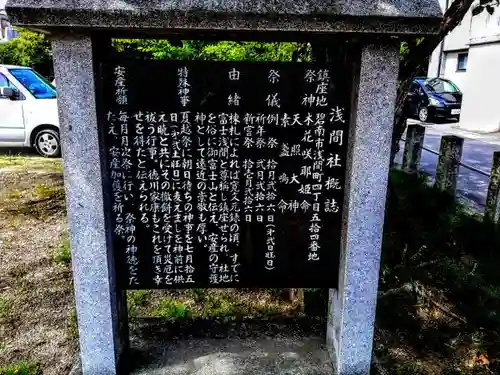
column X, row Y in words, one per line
column 459, row 37
column 481, row 105
column 449, row 70
column 485, row 28
column 433, row 70
column 480, row 36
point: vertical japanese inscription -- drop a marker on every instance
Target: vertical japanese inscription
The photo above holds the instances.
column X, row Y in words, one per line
column 233, row 176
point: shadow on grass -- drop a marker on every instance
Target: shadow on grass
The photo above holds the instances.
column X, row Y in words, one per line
column 439, row 302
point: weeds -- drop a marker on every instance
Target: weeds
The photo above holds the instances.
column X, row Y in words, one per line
column 137, row 300
column 62, row 254
column 21, row 368
column 216, row 305
column 49, row 191
column 14, row 195
column 170, row 308
column 5, row 309
column 439, row 285
column 30, row 163
column 11, row 161
column 73, row 324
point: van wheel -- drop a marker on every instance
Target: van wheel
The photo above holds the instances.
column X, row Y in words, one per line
column 48, row 143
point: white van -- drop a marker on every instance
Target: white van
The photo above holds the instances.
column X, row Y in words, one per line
column 28, row 111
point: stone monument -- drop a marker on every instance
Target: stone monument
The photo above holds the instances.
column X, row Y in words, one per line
column 183, row 174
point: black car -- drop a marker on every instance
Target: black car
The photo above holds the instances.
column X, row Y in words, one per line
column 431, row 99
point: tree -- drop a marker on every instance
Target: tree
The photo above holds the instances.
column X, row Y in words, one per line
column 29, row 49
column 415, row 59
column 206, row 50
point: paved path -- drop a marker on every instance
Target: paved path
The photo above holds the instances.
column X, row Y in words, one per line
column 478, row 152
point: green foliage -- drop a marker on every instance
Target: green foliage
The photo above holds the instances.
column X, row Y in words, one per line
column 201, row 50
column 136, row 300
column 216, row 305
column 63, row 252
column 21, row 368
column 29, row 49
column 5, row 309
column 171, row 309
column 249, row 51
column 155, row 49
column 73, row 324
column 437, row 257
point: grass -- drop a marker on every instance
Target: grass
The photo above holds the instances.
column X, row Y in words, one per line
column 439, row 306
column 137, row 300
column 11, row 161
column 439, row 302
column 14, row 195
column 21, row 368
column 36, row 321
column 73, row 324
column 220, row 305
column 62, row 253
column 28, row 163
column 49, row 191
column 170, row 308
column 5, row 309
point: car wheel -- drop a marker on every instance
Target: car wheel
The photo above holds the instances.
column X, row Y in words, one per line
column 423, row 114
column 48, row 143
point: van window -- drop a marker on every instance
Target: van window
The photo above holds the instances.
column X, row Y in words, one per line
column 4, row 82
column 34, row 83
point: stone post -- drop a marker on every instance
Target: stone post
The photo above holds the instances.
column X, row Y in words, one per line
column 99, row 305
column 450, row 154
column 492, row 210
column 413, row 147
column 351, row 313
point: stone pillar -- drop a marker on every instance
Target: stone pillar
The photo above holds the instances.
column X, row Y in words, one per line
column 492, row 210
column 99, row 305
column 450, row 154
column 413, row 147
column 352, row 307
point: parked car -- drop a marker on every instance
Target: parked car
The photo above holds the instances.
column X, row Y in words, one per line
column 431, row 99
column 28, row 111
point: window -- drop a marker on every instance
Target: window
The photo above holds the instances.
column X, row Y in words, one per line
column 462, row 62
column 34, row 83
column 439, row 85
column 4, row 82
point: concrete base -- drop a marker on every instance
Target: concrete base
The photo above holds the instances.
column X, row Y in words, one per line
column 220, row 347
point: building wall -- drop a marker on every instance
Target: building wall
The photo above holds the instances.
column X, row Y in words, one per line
column 458, row 39
column 480, row 106
column 479, row 36
column 449, row 70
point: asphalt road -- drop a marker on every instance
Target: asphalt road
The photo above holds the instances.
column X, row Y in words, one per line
column 477, row 152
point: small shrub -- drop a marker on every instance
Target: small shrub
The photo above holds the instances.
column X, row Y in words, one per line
column 63, row 252
column 171, row 309
column 21, row 368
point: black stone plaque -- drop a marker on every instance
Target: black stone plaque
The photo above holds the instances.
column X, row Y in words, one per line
column 224, row 174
